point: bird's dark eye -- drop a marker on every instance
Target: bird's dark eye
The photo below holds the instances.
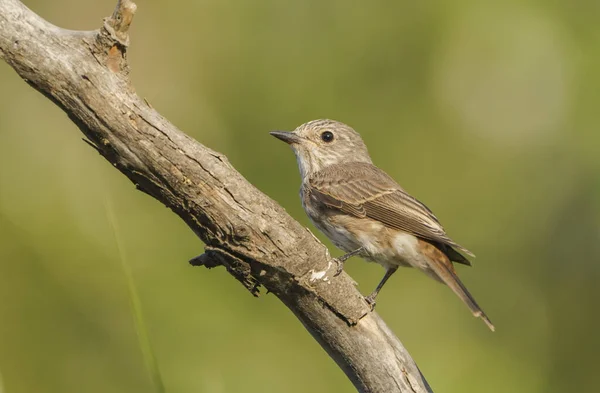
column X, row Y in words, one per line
column 327, row 136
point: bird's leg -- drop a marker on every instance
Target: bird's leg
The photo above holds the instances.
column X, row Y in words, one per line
column 340, row 261
column 371, row 298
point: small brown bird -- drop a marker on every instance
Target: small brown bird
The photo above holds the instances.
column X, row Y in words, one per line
column 363, row 211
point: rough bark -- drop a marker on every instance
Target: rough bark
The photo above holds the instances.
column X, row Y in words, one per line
column 86, row 75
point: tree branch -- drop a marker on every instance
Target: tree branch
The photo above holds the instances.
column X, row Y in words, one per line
column 86, row 75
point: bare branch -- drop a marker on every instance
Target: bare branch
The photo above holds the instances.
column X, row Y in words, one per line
column 86, row 74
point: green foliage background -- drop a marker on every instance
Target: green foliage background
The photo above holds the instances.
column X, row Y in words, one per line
column 486, row 111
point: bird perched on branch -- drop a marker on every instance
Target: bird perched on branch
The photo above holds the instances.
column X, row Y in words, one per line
column 363, row 211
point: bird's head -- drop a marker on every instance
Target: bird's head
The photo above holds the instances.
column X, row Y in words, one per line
column 321, row 143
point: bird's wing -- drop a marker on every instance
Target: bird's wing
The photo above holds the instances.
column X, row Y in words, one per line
column 363, row 190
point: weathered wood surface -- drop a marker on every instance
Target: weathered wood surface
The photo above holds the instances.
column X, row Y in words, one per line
column 86, row 74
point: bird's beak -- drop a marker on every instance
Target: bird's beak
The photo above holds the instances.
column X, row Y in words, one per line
column 288, row 137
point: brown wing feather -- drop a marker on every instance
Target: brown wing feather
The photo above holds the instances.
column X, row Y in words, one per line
column 363, row 190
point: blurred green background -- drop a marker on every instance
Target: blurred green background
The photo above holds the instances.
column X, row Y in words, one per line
column 486, row 111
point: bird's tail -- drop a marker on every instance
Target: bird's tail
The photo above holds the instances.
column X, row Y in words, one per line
column 445, row 272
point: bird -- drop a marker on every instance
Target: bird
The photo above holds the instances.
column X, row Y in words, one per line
column 365, row 212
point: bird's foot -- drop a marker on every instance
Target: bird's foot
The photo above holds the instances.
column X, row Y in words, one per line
column 371, row 300
column 341, row 260
column 339, row 267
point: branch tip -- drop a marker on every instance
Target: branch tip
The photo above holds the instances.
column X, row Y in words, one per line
column 112, row 40
column 117, row 25
column 121, row 18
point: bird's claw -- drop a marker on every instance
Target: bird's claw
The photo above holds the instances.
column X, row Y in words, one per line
column 339, row 267
column 341, row 260
column 371, row 301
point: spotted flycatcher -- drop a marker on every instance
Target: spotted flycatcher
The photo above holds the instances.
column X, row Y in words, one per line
column 363, row 211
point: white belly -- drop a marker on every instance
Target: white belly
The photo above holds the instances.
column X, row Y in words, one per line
column 384, row 246
column 407, row 250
